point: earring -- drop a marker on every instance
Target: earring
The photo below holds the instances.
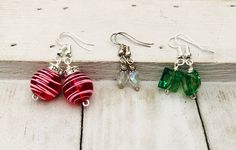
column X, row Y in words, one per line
column 46, row 84
column 77, row 86
column 183, row 72
column 127, row 66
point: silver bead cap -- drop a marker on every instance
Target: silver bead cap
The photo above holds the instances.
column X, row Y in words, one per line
column 69, row 70
column 55, row 67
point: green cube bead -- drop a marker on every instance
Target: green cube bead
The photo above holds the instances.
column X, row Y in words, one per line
column 170, row 79
column 191, row 82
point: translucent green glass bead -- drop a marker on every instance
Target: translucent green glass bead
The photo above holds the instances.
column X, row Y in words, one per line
column 170, row 80
column 191, row 82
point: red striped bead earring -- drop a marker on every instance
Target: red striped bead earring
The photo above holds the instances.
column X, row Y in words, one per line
column 46, row 83
column 77, row 86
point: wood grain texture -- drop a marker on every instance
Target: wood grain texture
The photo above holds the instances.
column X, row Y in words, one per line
column 224, row 72
column 26, row 124
column 119, row 119
column 218, row 108
column 145, row 120
column 28, row 31
column 149, row 119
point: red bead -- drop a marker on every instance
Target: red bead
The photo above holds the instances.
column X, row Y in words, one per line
column 46, row 84
column 77, row 87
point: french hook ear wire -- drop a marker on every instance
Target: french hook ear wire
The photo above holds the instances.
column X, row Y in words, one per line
column 190, row 41
column 113, row 39
column 170, row 44
column 74, row 38
column 176, row 46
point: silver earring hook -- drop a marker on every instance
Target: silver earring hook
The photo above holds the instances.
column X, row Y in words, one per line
column 74, row 38
column 113, row 39
column 188, row 40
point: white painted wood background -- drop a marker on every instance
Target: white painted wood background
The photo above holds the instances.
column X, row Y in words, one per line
column 34, row 26
column 118, row 119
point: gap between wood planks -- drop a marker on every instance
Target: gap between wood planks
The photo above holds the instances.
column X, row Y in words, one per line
column 202, row 123
column 199, row 114
column 81, row 128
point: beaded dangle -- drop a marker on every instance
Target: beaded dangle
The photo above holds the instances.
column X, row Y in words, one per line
column 46, row 84
column 77, row 87
column 183, row 72
column 127, row 73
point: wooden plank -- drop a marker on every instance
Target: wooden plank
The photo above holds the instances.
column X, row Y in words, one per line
column 218, row 108
column 149, row 119
column 26, row 124
column 108, row 70
column 136, row 120
column 34, row 28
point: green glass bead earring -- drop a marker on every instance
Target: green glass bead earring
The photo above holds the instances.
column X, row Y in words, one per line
column 182, row 74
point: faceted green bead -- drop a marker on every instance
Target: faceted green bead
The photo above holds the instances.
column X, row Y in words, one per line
column 170, row 79
column 191, row 82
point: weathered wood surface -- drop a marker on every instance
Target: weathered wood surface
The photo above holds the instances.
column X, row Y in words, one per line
column 149, row 119
column 28, row 31
column 217, row 104
column 119, row 119
column 30, row 125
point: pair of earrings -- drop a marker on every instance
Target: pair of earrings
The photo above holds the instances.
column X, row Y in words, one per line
column 182, row 74
column 77, row 87
column 127, row 72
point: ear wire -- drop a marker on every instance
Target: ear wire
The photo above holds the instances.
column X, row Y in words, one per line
column 75, row 38
column 113, row 39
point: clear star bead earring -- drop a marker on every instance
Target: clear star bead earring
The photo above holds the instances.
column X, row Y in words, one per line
column 128, row 72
